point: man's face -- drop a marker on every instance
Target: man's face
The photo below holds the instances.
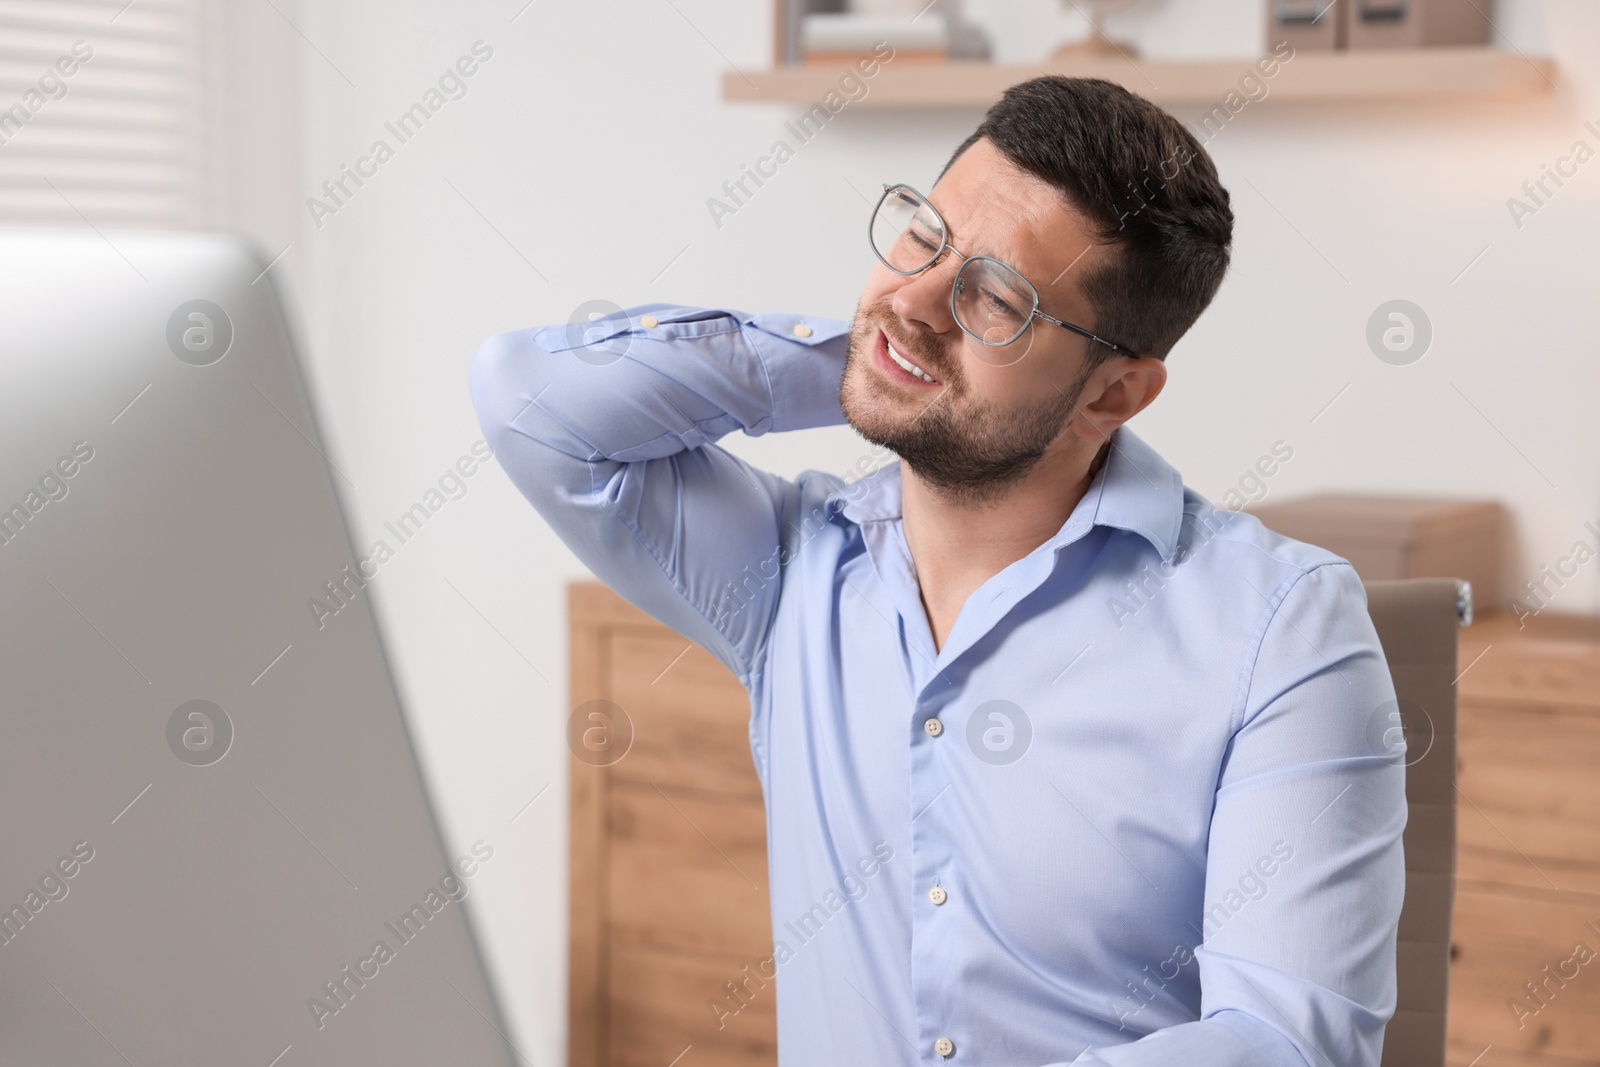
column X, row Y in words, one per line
column 993, row 413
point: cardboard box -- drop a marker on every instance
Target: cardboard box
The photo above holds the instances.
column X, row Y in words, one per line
column 1417, row 23
column 1308, row 25
column 1405, row 537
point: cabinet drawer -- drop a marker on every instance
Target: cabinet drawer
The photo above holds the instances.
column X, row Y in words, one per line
column 688, row 872
column 691, row 724
column 1529, row 776
column 1504, row 939
column 660, row 1005
column 1531, row 665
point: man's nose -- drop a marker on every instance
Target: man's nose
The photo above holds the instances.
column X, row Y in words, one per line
column 924, row 298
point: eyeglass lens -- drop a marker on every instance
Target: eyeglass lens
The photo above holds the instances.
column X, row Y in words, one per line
column 906, row 232
column 992, row 302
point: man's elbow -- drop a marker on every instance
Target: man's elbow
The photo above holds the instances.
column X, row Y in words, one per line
column 493, row 385
column 550, row 466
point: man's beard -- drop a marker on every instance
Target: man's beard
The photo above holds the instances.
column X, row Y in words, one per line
column 964, row 447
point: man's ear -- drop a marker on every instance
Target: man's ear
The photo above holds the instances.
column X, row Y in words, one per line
column 1117, row 391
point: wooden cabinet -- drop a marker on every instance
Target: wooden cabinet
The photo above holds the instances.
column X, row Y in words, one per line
column 669, row 908
column 668, row 883
column 1528, row 845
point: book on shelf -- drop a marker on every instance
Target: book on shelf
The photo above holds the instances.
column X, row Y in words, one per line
column 834, row 38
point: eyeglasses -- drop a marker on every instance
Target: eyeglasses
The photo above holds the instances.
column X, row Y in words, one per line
column 991, row 302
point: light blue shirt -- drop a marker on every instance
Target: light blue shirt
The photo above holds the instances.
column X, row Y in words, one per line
column 1138, row 809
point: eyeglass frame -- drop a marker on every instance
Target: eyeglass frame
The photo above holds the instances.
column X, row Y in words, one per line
column 944, row 228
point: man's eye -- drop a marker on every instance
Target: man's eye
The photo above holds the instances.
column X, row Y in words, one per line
column 921, row 241
column 995, row 304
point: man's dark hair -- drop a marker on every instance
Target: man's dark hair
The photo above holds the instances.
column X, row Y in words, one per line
column 1146, row 187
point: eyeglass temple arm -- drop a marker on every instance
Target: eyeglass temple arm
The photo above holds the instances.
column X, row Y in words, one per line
column 946, row 244
column 1085, row 333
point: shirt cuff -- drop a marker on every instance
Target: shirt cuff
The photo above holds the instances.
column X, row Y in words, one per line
column 804, row 357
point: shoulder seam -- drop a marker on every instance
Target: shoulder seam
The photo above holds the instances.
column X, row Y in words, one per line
column 1223, row 533
column 1269, row 614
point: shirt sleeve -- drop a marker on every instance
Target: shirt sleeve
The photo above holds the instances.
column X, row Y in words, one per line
column 608, row 429
column 1304, row 873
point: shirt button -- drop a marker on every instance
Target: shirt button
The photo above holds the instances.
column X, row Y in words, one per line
column 938, row 895
column 648, row 321
column 933, row 726
column 945, row 1047
column 802, row 330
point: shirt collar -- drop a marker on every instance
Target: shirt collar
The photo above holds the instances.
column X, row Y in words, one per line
column 1135, row 490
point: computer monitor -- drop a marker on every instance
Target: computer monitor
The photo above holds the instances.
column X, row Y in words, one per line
column 216, row 844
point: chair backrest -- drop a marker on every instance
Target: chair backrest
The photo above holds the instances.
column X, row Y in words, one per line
column 1417, row 620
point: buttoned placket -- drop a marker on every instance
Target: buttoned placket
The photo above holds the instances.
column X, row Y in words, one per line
column 935, row 908
column 932, row 941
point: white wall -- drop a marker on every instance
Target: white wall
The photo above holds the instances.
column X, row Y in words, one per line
column 590, row 142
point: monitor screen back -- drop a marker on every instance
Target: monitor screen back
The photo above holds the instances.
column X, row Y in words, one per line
column 217, row 845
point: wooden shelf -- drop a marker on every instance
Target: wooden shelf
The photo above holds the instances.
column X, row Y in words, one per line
column 1375, row 75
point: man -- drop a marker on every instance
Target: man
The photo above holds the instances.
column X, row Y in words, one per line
column 1080, row 763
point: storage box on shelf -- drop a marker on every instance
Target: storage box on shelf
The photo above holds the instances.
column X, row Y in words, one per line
column 1423, row 56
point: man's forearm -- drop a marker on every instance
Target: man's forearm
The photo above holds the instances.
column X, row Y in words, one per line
column 648, row 391
column 1228, row 1039
column 611, row 438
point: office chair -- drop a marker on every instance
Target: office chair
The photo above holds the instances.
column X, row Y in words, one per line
column 1417, row 621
